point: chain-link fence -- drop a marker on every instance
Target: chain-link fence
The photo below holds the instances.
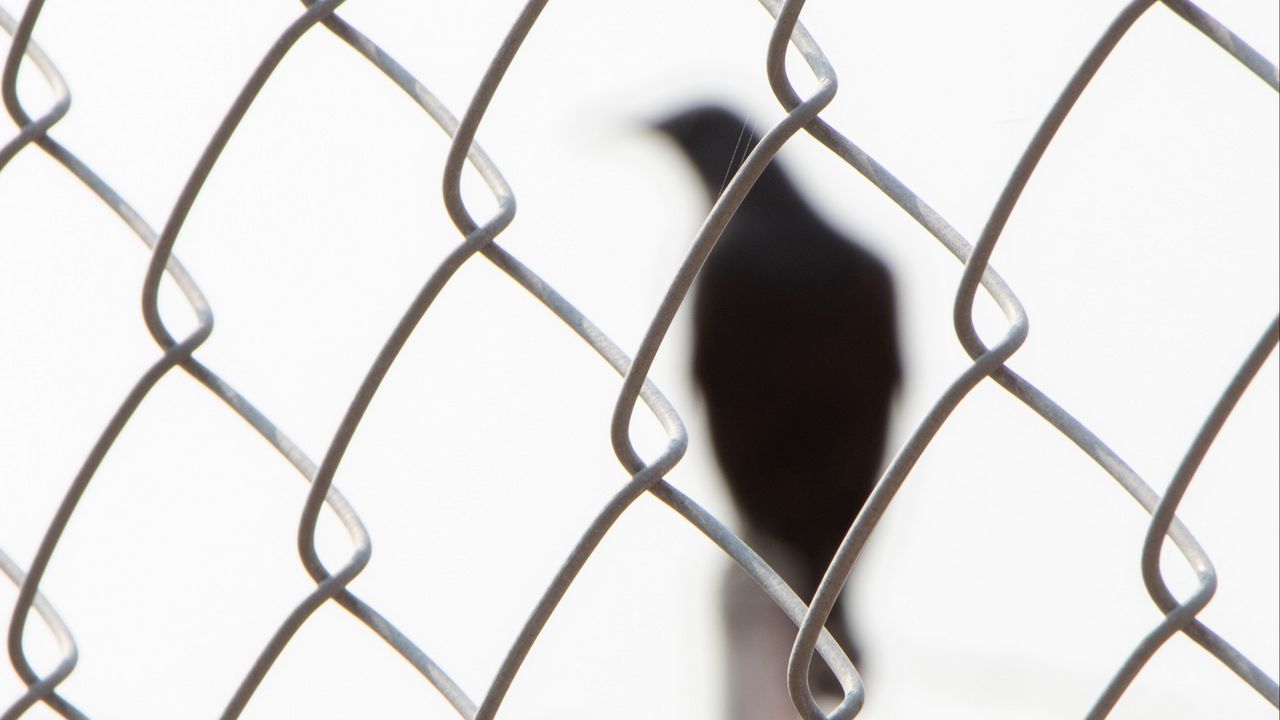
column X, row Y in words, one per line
column 36, row 129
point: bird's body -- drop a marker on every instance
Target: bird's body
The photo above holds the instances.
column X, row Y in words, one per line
column 795, row 351
column 797, row 375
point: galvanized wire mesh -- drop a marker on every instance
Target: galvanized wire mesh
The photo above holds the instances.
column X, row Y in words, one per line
column 479, row 237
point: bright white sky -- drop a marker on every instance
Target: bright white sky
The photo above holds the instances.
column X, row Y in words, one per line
column 1004, row 582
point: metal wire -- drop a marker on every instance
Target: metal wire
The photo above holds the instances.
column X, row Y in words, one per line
column 480, row 237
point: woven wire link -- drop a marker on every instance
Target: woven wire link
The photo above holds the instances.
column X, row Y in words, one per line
column 479, row 236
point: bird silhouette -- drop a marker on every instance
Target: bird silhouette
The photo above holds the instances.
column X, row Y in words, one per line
column 796, row 355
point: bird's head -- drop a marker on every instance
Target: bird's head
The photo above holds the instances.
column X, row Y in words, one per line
column 715, row 140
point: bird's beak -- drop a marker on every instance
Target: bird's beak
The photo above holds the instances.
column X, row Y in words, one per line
column 660, row 128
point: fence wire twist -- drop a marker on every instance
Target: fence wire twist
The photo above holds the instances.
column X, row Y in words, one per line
column 480, row 238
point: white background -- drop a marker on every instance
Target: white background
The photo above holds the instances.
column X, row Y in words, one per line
column 1003, row 583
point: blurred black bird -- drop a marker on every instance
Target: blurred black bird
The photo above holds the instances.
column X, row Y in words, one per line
column 795, row 351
